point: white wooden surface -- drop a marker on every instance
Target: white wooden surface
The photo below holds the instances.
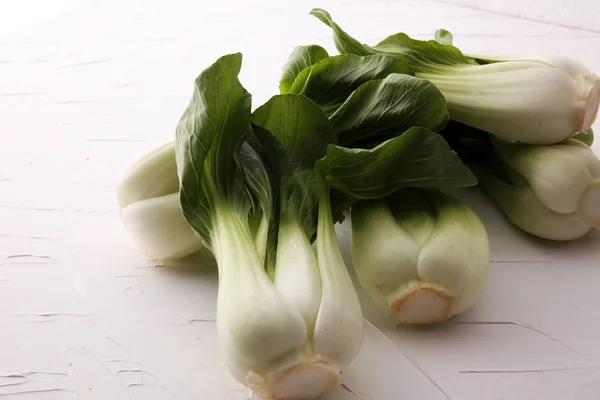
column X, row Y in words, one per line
column 82, row 316
column 577, row 14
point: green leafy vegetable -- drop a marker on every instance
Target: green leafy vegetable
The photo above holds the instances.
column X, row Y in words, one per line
column 532, row 100
column 420, row 253
column 343, row 42
column 417, row 158
column 148, row 197
column 301, row 58
column 550, row 191
column 387, row 107
column 297, row 131
column 207, row 159
column 330, row 81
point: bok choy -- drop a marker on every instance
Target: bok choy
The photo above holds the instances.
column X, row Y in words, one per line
column 148, row 197
column 259, row 188
column 550, row 191
column 420, row 253
column 531, row 100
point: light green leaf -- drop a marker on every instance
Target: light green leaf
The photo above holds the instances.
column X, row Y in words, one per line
column 208, row 140
column 418, row 158
column 384, row 108
column 301, row 58
column 442, row 36
column 329, row 82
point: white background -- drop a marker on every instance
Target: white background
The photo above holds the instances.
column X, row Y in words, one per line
column 88, row 86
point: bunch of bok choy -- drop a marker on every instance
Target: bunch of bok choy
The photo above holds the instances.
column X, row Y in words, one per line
column 378, row 133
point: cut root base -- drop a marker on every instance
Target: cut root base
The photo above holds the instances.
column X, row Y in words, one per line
column 302, row 382
column 423, row 303
column 589, row 206
column 592, row 84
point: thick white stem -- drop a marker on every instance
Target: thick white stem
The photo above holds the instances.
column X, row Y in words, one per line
column 159, row 230
column 297, row 272
column 257, row 326
column 339, row 329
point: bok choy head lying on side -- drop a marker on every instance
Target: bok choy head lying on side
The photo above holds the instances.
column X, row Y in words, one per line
column 537, row 101
column 551, row 191
column 148, row 197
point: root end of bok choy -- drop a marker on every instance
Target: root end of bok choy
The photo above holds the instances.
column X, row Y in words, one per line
column 422, row 303
column 301, row 382
column 590, row 89
column 589, row 205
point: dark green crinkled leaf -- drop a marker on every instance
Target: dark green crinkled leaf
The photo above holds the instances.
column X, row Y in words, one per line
column 387, row 107
column 421, row 55
column 329, row 82
column 208, row 140
column 295, row 132
column 586, row 137
column 301, row 58
column 442, row 36
column 418, row 158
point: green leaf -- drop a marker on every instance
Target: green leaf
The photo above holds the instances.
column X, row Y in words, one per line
column 295, row 133
column 257, row 180
column 301, row 58
column 443, row 36
column 422, row 56
column 384, row 108
column 208, row 140
column 299, row 125
column 344, row 43
column 586, row 137
column 418, row 158
column 329, row 82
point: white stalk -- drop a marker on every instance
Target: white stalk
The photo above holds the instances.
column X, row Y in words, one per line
column 288, row 339
column 148, row 196
column 158, row 228
column 527, row 101
column 524, row 209
column 564, row 177
column 261, row 334
column 152, row 175
column 383, row 252
column 297, row 271
column 339, row 329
